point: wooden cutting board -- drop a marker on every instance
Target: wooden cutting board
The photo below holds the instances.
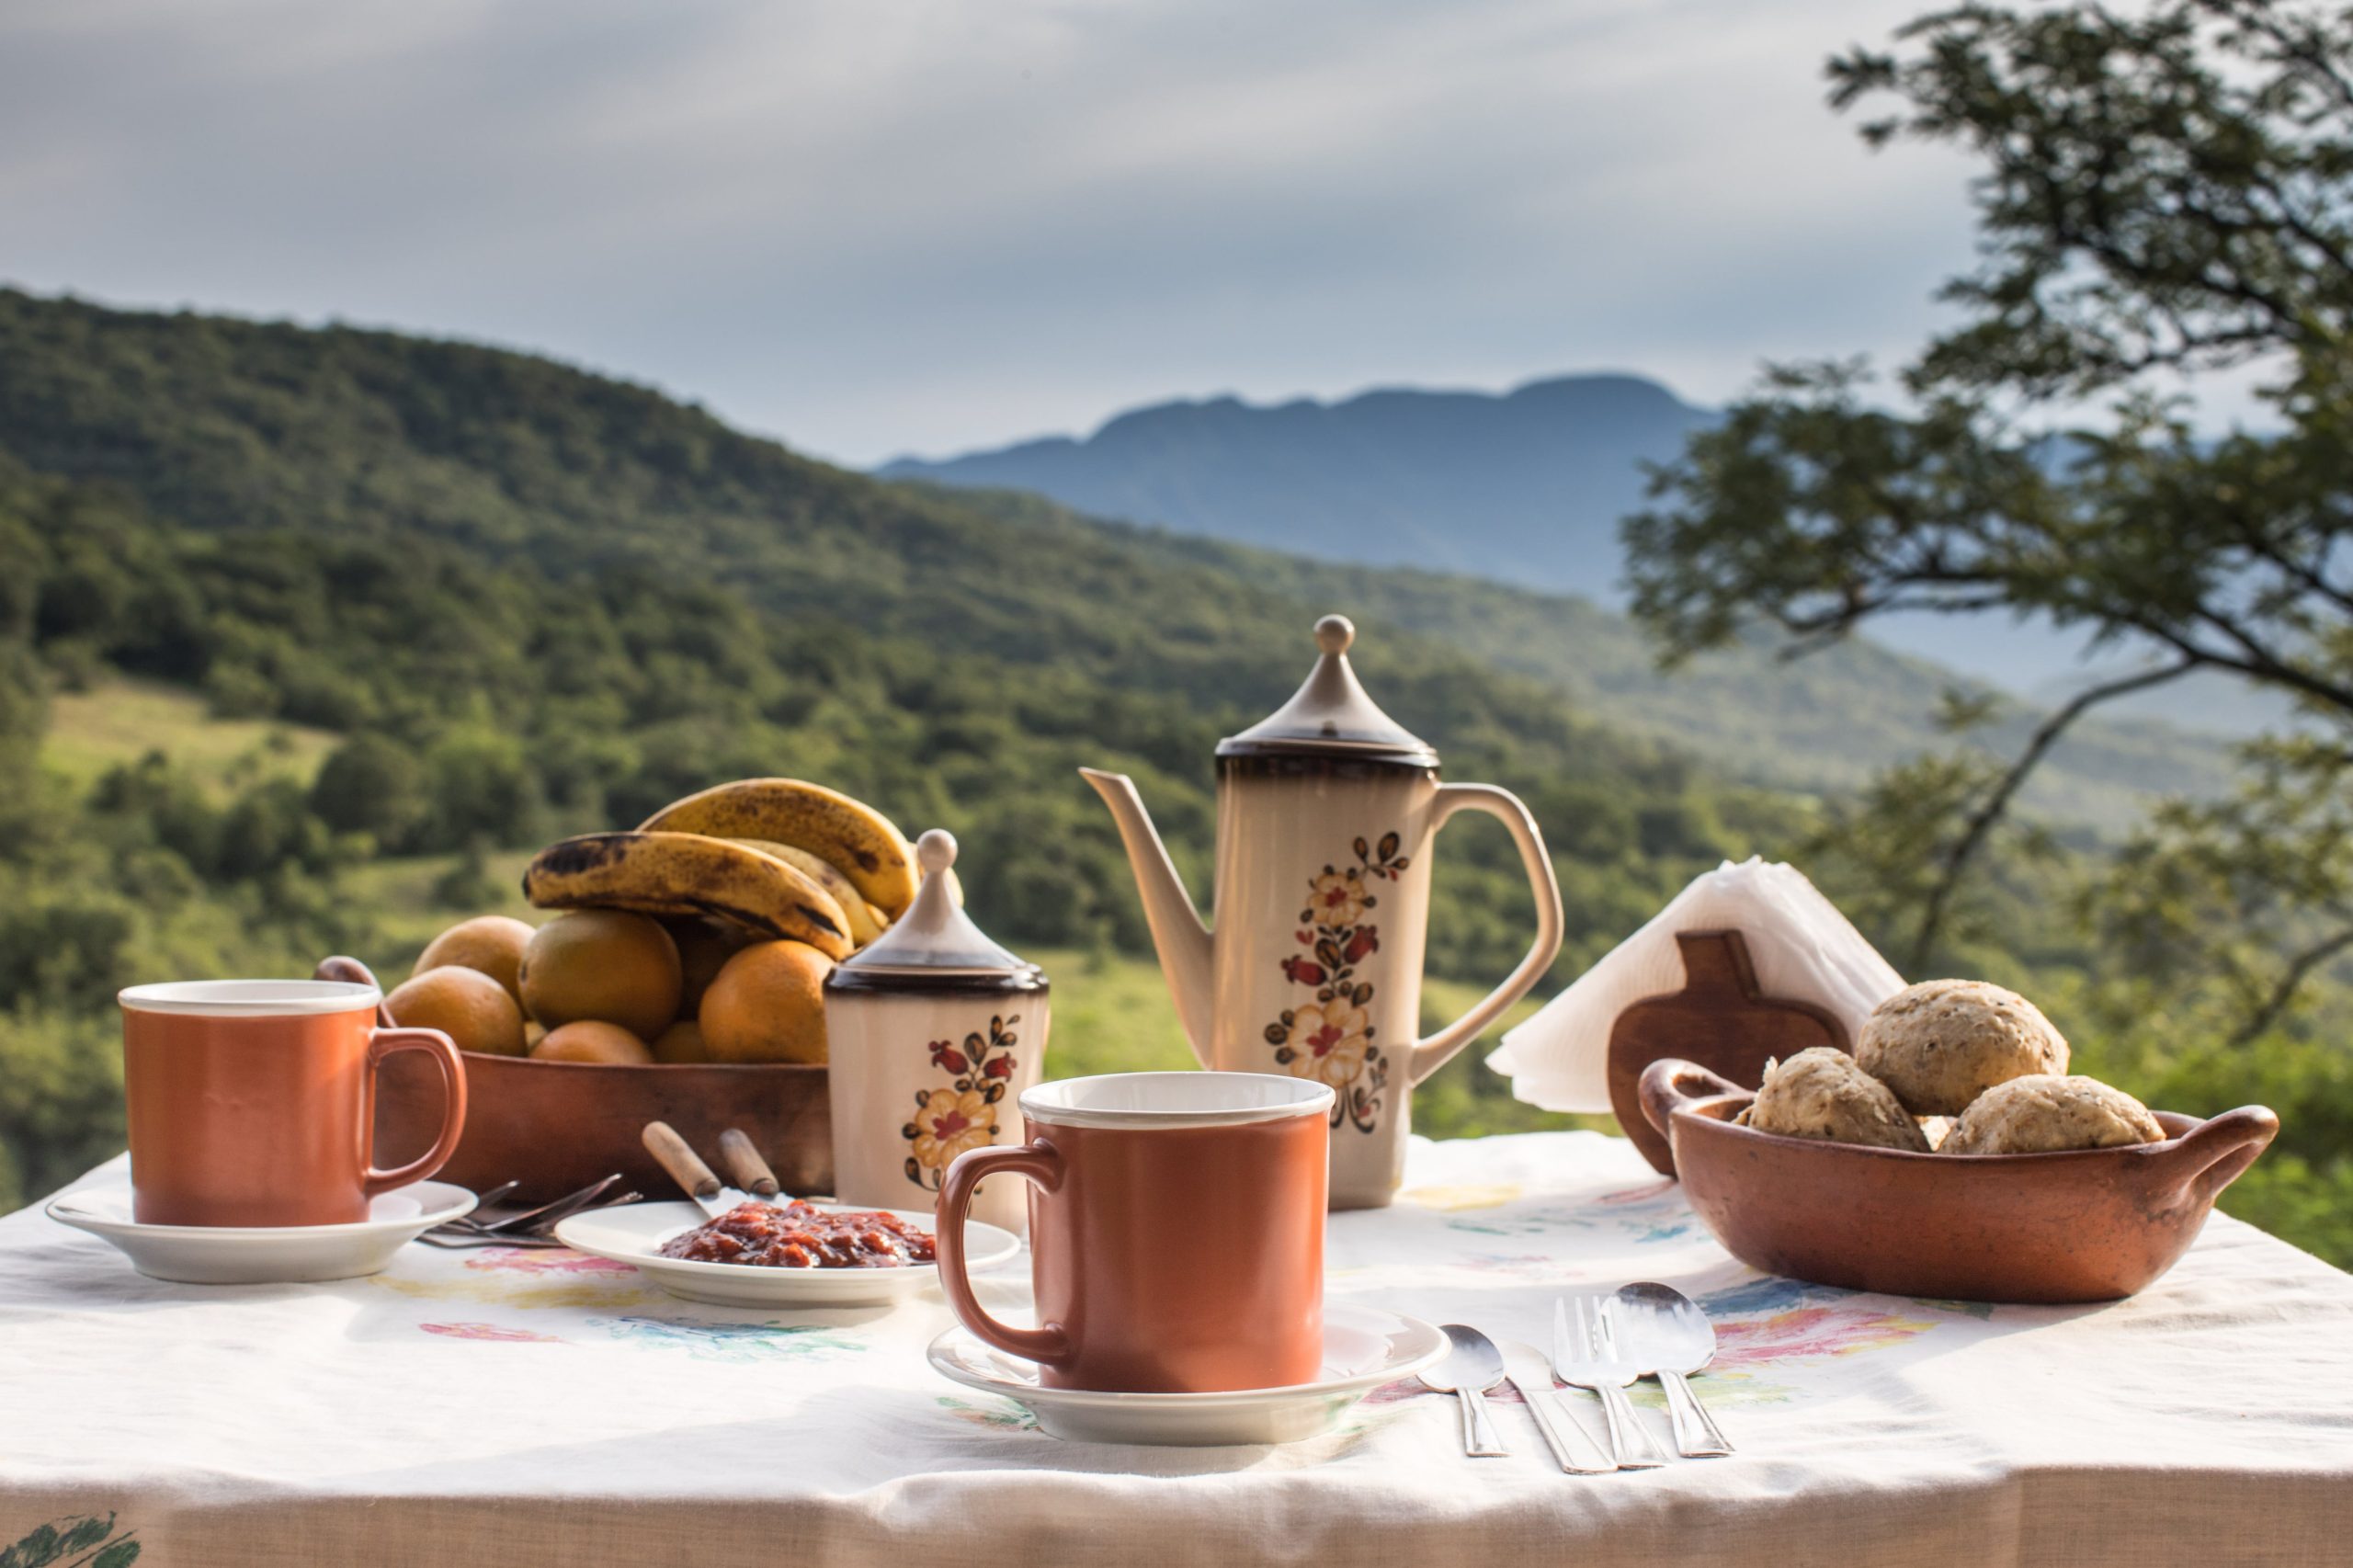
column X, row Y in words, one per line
column 1718, row 1020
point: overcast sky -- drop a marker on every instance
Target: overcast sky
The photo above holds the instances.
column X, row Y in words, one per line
column 878, row 226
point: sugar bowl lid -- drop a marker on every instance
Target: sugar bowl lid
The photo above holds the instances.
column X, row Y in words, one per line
column 1330, row 715
column 935, row 940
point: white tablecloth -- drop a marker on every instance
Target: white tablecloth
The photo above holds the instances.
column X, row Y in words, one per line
column 516, row 1407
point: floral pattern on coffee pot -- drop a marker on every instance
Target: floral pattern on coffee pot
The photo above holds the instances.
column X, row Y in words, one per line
column 1331, row 1038
column 933, row 1032
column 1314, row 969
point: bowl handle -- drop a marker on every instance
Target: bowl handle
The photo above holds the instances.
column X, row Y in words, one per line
column 2209, row 1156
column 1669, row 1083
column 351, row 972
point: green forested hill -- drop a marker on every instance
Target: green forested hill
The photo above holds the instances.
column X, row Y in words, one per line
column 226, row 425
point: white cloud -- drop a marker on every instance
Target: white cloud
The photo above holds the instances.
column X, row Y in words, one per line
column 925, row 224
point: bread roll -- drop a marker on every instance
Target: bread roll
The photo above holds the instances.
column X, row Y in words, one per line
column 2045, row 1114
column 1822, row 1094
column 1943, row 1042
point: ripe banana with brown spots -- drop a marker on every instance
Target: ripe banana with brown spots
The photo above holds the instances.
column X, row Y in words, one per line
column 689, row 873
column 863, row 927
column 850, row 833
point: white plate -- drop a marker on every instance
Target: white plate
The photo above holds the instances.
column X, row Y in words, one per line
column 1363, row 1349
column 633, row 1233
column 265, row 1255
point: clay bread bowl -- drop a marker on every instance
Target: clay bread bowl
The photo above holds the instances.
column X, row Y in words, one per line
column 2082, row 1225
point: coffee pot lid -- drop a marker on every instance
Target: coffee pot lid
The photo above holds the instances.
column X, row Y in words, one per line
column 1330, row 715
column 934, row 937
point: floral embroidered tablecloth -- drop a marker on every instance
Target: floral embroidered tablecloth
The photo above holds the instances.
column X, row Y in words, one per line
column 517, row 1407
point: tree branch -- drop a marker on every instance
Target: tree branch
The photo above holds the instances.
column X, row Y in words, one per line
column 2257, row 664
column 2258, row 18
column 2300, row 969
column 1821, row 630
column 1995, row 805
column 2259, row 544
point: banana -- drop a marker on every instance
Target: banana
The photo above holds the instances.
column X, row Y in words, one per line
column 686, row 873
column 863, row 927
column 829, row 825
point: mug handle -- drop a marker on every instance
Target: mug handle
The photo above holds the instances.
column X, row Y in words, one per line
column 383, row 1042
column 1430, row 1054
column 1047, row 1344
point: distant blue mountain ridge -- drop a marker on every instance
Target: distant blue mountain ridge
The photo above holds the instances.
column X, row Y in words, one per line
column 1525, row 487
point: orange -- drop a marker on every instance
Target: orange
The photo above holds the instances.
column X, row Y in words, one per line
column 491, row 943
column 768, row 1005
column 589, row 1040
column 682, row 1041
column 605, row 964
column 704, row 945
column 464, row 1004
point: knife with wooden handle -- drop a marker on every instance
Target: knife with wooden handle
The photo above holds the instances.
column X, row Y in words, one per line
column 751, row 1172
column 695, row 1178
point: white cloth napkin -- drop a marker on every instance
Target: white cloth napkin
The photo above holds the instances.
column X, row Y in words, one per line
column 1803, row 950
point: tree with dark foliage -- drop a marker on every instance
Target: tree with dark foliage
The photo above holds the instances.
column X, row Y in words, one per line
column 2167, row 196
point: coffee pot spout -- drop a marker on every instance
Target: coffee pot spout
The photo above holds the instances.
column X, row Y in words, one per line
column 1183, row 942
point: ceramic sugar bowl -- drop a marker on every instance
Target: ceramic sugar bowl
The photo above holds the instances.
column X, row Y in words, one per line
column 935, row 1030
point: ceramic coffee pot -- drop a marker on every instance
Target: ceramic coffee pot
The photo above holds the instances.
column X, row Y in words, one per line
column 1325, row 813
column 933, row 1031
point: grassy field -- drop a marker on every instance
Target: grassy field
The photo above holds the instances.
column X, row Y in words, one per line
column 118, row 722
column 400, row 902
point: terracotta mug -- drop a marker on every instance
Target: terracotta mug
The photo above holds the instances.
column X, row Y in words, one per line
column 253, row 1101
column 1175, row 1232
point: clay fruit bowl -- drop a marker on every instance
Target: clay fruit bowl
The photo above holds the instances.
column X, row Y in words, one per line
column 2090, row 1225
column 554, row 1126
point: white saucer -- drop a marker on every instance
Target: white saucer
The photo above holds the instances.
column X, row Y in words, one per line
column 633, row 1233
column 1363, row 1349
column 265, row 1255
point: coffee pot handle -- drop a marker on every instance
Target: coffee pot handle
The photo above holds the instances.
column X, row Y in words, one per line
column 1047, row 1344
column 1430, row 1054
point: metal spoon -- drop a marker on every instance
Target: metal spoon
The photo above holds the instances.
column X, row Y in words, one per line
column 1474, row 1367
column 1663, row 1332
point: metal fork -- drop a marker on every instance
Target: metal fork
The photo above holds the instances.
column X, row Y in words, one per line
column 1589, row 1359
column 541, row 1220
column 459, row 1240
column 529, row 1228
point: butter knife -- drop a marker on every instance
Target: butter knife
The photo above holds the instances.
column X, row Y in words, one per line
column 1571, row 1444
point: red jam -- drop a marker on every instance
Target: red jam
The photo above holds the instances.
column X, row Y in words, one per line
column 800, row 1235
